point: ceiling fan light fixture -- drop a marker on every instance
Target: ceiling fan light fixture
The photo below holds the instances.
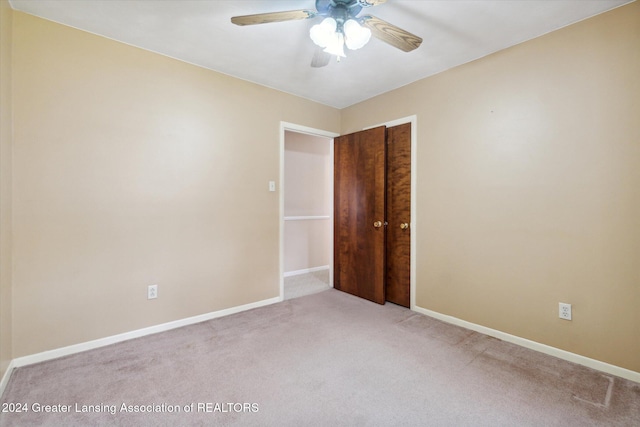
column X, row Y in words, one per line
column 356, row 36
column 323, row 34
column 340, row 26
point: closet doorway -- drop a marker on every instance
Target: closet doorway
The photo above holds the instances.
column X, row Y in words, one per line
column 307, row 205
column 410, row 225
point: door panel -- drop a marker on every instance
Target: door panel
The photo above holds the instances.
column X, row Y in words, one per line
column 359, row 202
column 398, row 247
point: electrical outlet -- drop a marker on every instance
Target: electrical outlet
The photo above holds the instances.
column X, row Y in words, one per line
column 565, row 311
column 152, row 291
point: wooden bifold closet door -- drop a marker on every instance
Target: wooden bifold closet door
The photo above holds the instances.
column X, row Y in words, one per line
column 372, row 206
column 359, row 208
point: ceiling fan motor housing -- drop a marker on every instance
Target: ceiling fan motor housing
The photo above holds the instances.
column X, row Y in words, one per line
column 340, row 10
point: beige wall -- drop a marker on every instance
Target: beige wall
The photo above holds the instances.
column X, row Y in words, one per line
column 307, row 192
column 131, row 169
column 529, row 187
column 5, row 185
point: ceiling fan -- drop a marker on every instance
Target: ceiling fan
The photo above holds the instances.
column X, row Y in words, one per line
column 341, row 27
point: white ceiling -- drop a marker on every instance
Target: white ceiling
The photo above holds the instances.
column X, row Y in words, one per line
column 278, row 55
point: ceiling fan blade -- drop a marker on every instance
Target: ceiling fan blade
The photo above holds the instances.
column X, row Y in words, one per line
column 388, row 33
column 265, row 18
column 320, row 58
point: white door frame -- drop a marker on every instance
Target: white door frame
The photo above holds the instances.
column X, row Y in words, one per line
column 285, row 126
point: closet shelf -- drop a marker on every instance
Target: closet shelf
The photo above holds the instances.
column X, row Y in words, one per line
column 306, row 218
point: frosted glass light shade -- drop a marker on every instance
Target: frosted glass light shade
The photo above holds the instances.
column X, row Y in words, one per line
column 355, row 36
column 323, row 33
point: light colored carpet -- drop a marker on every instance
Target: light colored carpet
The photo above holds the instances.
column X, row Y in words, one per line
column 328, row 359
column 306, row 284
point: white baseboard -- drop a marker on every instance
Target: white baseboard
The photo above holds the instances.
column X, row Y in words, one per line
column 305, row 271
column 90, row 345
column 5, row 378
column 533, row 345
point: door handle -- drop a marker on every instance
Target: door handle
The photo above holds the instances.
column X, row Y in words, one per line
column 377, row 224
column 404, row 225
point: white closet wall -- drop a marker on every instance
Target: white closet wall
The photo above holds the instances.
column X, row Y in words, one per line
column 307, row 202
